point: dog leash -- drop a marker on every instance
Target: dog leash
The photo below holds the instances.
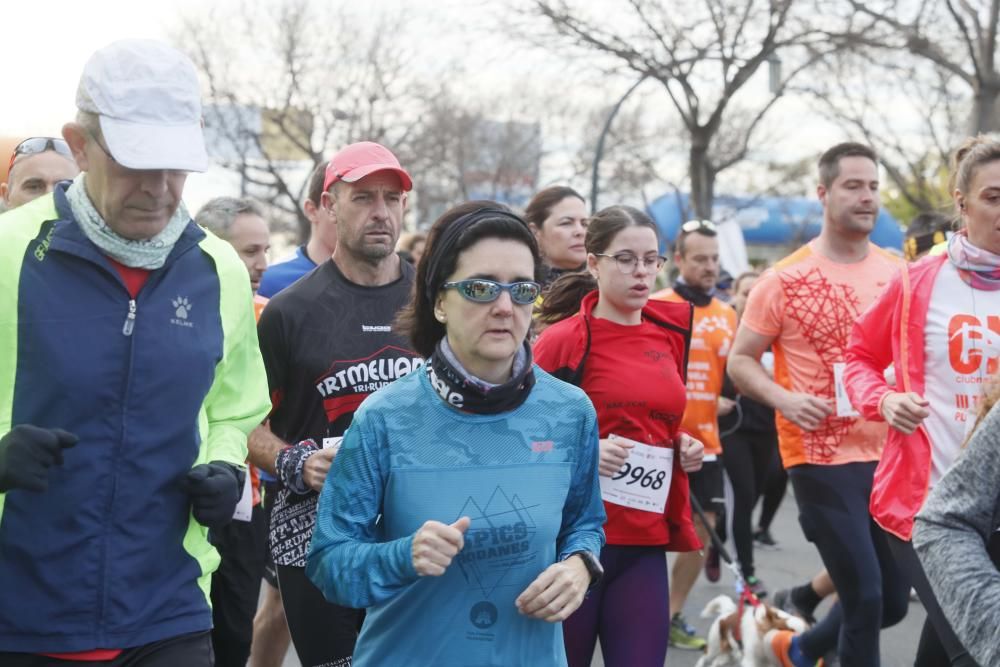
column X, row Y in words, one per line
column 746, row 595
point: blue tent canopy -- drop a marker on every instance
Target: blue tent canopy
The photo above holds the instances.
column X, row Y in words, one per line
column 767, row 220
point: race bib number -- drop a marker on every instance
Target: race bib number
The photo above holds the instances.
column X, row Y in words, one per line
column 244, row 508
column 644, row 481
column 844, row 407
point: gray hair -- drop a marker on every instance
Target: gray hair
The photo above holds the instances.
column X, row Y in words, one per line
column 218, row 214
column 91, row 122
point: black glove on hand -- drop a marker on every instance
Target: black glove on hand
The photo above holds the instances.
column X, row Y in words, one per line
column 215, row 489
column 27, row 453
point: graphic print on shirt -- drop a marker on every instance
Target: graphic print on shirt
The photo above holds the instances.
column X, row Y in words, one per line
column 974, row 345
column 326, row 348
column 499, row 539
column 348, row 382
column 824, row 312
column 974, row 357
column 342, row 388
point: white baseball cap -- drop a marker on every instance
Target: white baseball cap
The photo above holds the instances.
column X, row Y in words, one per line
column 149, row 102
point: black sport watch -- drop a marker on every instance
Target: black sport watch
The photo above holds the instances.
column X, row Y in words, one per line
column 593, row 564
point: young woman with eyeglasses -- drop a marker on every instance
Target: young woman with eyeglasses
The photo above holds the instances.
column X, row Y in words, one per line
column 629, row 354
column 463, row 509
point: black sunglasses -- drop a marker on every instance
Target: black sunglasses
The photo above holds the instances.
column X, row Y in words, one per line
column 481, row 290
column 35, row 145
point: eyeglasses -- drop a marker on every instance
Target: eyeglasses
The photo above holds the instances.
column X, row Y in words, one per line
column 36, row 145
column 481, row 290
column 702, row 226
column 627, row 262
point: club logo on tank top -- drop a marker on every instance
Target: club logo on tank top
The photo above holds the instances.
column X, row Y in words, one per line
column 974, row 347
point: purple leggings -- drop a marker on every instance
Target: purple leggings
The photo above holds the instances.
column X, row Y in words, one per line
column 629, row 611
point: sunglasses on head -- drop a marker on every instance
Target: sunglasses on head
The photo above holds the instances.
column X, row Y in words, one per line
column 35, row 145
column 701, row 226
column 481, row 290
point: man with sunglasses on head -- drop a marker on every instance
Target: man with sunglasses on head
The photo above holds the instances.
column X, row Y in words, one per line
column 696, row 254
column 36, row 165
column 328, row 341
column 131, row 378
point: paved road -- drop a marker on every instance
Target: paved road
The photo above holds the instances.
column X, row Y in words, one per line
column 792, row 563
column 795, row 561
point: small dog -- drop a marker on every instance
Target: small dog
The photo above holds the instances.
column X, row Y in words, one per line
column 744, row 642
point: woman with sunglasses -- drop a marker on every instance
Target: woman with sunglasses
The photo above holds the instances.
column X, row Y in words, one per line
column 628, row 353
column 463, row 509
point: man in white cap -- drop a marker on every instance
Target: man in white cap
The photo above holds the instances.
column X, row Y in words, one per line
column 129, row 378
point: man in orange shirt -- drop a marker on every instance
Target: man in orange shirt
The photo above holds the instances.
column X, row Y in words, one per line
column 697, row 258
column 804, row 309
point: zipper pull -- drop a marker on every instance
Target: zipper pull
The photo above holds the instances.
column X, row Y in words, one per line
column 129, row 319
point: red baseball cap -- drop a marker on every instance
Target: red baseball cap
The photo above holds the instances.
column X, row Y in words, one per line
column 356, row 161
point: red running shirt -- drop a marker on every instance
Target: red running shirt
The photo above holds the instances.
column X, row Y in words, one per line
column 632, row 375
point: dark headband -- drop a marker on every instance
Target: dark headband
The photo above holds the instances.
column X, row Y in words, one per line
column 447, row 240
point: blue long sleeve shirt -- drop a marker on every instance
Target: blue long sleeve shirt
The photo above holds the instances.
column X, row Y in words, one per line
column 526, row 478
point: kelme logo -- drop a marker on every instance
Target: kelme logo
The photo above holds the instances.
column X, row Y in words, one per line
column 182, row 310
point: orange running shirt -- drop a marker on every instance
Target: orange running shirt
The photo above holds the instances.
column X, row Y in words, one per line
column 712, row 334
column 809, row 303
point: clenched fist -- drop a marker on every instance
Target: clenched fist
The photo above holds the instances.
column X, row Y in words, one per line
column 436, row 544
column 692, row 453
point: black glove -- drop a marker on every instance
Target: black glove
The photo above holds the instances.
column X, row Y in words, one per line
column 27, row 453
column 215, row 489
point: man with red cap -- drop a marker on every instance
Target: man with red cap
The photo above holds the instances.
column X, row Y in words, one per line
column 328, row 342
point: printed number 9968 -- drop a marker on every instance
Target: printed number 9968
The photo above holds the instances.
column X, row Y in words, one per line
column 645, row 477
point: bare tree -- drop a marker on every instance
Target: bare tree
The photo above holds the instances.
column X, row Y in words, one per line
column 637, row 143
column 485, row 148
column 906, row 109
column 958, row 36
column 703, row 53
column 288, row 83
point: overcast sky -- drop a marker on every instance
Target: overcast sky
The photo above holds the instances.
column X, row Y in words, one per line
column 46, row 43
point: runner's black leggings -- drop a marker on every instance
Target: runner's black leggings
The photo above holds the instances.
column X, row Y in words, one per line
column 236, row 586
column 873, row 592
column 774, row 490
column 324, row 634
column 747, row 457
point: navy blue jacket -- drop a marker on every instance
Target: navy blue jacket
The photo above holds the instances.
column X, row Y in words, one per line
column 110, row 556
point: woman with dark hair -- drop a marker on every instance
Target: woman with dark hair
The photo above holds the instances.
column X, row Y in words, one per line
column 558, row 217
column 935, row 323
column 629, row 354
column 463, row 509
